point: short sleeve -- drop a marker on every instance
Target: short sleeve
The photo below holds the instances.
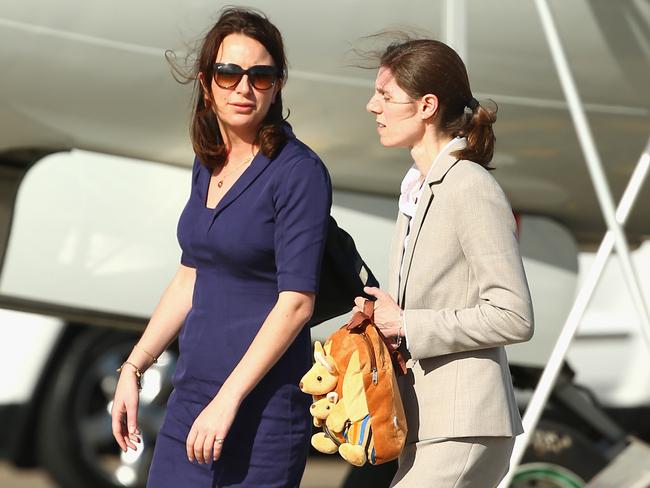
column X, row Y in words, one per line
column 302, row 206
column 187, row 260
column 184, row 223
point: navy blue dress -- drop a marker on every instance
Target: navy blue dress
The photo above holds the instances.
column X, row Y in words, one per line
column 266, row 235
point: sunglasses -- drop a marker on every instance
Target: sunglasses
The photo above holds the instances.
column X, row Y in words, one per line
column 229, row 75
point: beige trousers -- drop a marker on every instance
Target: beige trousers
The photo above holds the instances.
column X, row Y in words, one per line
column 461, row 462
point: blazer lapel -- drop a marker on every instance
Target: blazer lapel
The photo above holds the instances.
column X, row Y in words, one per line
column 259, row 164
column 442, row 165
column 423, row 207
column 397, row 251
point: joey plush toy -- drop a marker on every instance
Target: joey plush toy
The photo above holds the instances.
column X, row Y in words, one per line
column 321, row 410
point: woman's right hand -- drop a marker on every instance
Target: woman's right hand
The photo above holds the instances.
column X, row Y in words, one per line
column 124, row 412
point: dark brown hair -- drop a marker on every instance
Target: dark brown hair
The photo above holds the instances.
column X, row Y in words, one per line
column 424, row 66
column 206, row 137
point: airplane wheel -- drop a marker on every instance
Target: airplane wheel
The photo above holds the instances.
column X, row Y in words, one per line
column 558, row 456
column 75, row 440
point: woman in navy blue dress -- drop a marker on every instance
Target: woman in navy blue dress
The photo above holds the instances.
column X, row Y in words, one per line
column 252, row 238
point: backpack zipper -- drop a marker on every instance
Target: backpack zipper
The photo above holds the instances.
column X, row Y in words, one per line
column 373, row 361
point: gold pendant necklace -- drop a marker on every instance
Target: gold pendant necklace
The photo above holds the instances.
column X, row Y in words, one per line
column 220, row 182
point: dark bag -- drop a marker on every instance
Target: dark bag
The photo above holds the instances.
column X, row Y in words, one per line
column 342, row 278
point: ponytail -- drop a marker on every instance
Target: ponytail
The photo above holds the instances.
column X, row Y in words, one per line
column 477, row 129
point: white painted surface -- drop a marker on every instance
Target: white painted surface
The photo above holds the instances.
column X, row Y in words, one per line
column 26, row 341
column 95, row 231
column 608, row 353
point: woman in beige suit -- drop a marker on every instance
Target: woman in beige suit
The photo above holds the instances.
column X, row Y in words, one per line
column 457, row 290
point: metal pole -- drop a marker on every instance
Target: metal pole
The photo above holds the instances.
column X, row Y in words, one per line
column 455, row 27
column 549, row 376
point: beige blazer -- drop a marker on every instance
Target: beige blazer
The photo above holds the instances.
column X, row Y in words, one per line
column 465, row 296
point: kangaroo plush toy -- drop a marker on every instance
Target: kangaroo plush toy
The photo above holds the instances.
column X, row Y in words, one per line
column 320, row 381
column 345, row 419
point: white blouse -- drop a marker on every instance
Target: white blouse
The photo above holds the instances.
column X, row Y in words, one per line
column 410, row 193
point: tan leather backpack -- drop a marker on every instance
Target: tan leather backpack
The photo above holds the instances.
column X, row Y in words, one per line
column 366, row 422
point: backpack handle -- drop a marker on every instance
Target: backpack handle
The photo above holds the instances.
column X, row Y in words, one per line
column 369, row 309
column 360, row 319
column 363, row 318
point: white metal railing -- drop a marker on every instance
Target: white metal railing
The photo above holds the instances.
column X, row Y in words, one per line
column 613, row 239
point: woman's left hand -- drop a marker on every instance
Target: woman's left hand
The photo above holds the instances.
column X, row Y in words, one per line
column 206, row 437
column 387, row 311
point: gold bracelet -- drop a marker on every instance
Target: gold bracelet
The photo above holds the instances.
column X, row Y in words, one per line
column 138, row 373
column 154, row 358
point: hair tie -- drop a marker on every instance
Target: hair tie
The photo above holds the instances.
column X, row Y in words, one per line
column 472, row 104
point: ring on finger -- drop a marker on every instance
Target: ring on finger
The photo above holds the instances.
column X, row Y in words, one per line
column 218, row 440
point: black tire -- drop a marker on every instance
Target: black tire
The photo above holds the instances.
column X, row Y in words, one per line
column 74, row 439
column 558, row 456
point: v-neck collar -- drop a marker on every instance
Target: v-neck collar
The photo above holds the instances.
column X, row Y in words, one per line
column 258, row 164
